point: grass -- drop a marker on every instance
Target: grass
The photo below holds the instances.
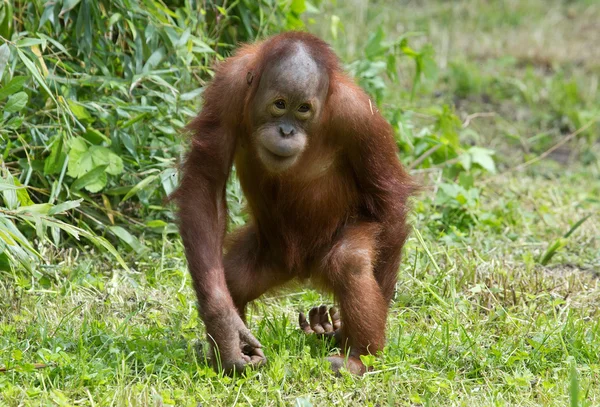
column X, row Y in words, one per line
column 477, row 320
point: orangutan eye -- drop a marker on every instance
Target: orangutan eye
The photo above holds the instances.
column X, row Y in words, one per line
column 280, row 104
column 304, row 108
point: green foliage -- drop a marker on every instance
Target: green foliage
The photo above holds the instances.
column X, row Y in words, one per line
column 17, row 248
column 381, row 56
column 94, row 96
column 248, row 20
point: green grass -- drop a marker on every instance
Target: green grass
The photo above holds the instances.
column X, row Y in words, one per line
column 477, row 320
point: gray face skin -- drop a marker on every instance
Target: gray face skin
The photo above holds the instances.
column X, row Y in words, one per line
column 288, row 103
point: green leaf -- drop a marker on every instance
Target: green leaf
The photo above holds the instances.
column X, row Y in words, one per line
column 466, row 180
column 76, row 232
column 78, row 110
column 140, row 185
column 168, row 180
column 29, row 42
column 22, row 194
column 466, row 161
column 154, row 59
column 64, row 207
column 374, row 46
column 15, row 85
column 41, row 209
column 93, row 181
column 156, row 223
column 9, row 194
column 576, row 225
column 335, row 26
column 83, row 159
column 128, row 238
column 574, row 386
column 77, row 165
column 552, row 250
column 6, row 19
column 115, row 163
column 4, row 262
column 113, row 19
column 35, row 72
column 16, row 102
column 483, row 157
column 54, row 163
column 95, row 137
column 368, row 360
column 4, row 55
column 55, row 43
column 68, row 5
column 298, row 6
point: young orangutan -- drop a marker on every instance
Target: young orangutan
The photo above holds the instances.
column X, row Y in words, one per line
column 326, row 193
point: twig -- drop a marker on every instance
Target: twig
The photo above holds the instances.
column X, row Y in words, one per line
column 546, row 153
column 423, row 156
column 554, row 147
column 475, row 116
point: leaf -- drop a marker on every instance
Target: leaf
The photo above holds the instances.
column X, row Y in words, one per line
column 22, row 194
column 302, row 402
column 4, row 55
column 96, row 240
column 41, row 209
column 78, row 110
column 576, row 225
column 95, row 137
column 68, row 5
column 368, row 360
column 4, row 262
column 5, row 186
column 192, row 95
column 6, row 19
column 156, row 223
column 93, row 181
column 466, row 180
column 335, row 26
column 374, row 46
column 36, row 74
column 465, row 160
column 64, row 207
column 54, row 163
column 154, row 59
column 9, row 194
column 16, row 84
column 55, row 43
column 128, row 238
column 140, row 185
column 115, row 163
column 108, row 209
column 83, row 159
column 483, row 157
column 298, row 6
column 16, row 102
column 55, row 232
column 201, row 47
column 551, row 250
column 168, row 179
column 29, row 42
column 113, row 19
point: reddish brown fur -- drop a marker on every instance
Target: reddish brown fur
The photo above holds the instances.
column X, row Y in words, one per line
column 338, row 217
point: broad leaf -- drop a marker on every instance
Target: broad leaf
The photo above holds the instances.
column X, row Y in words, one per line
column 15, row 85
column 16, row 102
